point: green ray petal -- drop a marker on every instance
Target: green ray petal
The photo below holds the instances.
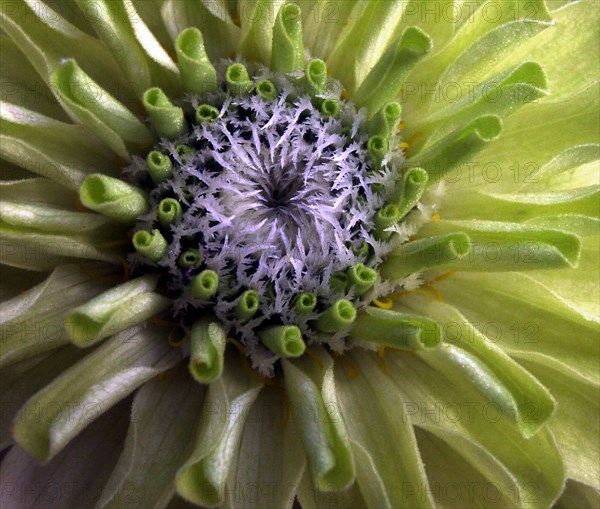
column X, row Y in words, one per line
column 270, row 460
column 535, row 134
column 523, row 318
column 501, row 379
column 311, row 498
column 57, row 413
column 159, row 439
column 575, row 287
column 501, row 95
column 115, row 310
column 458, row 147
column 32, row 322
column 464, row 475
column 140, row 56
column 485, row 18
column 257, row 19
column 575, row 427
column 220, row 36
column 61, row 152
column 22, row 85
column 324, row 20
column 575, row 23
column 315, row 409
column 578, row 495
column 497, row 246
column 365, row 45
column 22, row 380
column 383, row 442
column 72, row 467
column 20, row 211
column 202, row 479
column 46, row 38
column 435, row 402
column 20, row 247
column 95, row 108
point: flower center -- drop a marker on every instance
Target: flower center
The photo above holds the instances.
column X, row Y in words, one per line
column 272, row 209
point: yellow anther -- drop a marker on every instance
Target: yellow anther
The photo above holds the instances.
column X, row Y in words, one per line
column 400, row 295
column 351, row 368
column 163, row 323
column 401, row 125
column 404, row 145
column 444, row 276
column 78, row 204
column 89, row 274
column 172, row 341
column 245, row 363
column 435, row 291
column 381, row 354
column 436, row 217
column 346, row 95
column 315, row 358
column 385, row 303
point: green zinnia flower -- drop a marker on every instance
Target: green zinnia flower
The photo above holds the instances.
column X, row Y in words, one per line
column 332, row 253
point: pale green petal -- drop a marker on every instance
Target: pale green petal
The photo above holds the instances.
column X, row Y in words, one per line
column 578, row 496
column 57, row 413
column 46, row 38
column 576, row 287
column 569, row 50
column 202, row 479
column 497, row 246
column 477, row 63
column 501, row 95
column 221, row 38
column 43, row 205
column 501, row 379
column 89, row 104
column 311, row 498
column 575, row 427
column 489, row 16
column 520, row 316
column 22, row 380
column 140, row 56
column 115, row 310
column 324, row 20
column 22, row 85
column 463, row 475
column 257, row 19
column 16, row 281
column 366, row 44
column 160, row 438
column 270, row 462
column 310, row 387
column 383, row 441
column 435, row 402
column 535, row 134
column 33, row 250
column 71, row 479
column 61, row 152
column 149, row 11
column 32, row 322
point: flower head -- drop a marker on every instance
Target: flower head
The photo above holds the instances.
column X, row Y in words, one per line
column 341, row 253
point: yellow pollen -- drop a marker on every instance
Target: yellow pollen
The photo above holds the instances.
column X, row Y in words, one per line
column 346, row 95
column 315, row 358
column 401, row 125
column 436, row 217
column 404, row 145
column 385, row 303
column 400, row 295
column 381, row 354
column 172, row 341
column 351, row 368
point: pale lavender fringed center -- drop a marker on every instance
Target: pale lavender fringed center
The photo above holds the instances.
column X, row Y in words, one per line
column 277, row 198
